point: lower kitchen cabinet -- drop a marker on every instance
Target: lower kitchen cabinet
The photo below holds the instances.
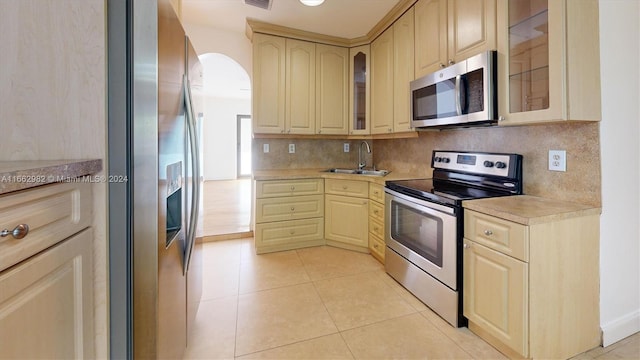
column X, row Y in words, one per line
column 289, row 214
column 376, row 221
column 46, row 277
column 532, row 289
column 347, row 214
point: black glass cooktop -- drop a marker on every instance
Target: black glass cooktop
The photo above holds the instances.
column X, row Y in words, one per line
column 441, row 191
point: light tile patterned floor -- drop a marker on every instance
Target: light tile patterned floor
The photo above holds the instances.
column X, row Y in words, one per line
column 226, row 206
column 325, row 303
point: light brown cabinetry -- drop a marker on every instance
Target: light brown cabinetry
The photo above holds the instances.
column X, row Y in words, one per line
column 548, row 61
column 347, row 214
column 376, row 221
column 46, row 277
column 289, row 214
column 360, row 90
column 300, row 87
column 448, row 31
column 332, row 91
column 531, row 290
column 269, row 66
column 392, row 70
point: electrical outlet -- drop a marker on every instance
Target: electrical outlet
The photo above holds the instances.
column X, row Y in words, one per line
column 265, row 148
column 292, row 148
column 345, row 147
column 558, row 160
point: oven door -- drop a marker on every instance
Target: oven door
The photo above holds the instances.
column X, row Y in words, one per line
column 424, row 233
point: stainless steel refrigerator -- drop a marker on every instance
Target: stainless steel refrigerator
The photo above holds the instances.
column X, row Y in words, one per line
column 155, row 260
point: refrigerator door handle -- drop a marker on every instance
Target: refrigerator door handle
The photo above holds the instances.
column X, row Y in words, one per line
column 195, row 173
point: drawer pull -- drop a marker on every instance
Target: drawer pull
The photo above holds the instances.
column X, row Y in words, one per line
column 375, row 212
column 375, row 246
column 18, row 232
column 488, row 232
column 293, row 208
column 291, row 232
column 293, row 188
column 375, row 229
column 345, row 187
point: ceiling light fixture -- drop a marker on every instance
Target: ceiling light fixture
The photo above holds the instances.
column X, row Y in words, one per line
column 312, row 2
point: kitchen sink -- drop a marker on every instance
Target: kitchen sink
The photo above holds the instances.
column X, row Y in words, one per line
column 358, row 171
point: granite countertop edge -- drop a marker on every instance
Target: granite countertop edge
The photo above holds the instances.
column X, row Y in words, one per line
column 530, row 210
column 20, row 175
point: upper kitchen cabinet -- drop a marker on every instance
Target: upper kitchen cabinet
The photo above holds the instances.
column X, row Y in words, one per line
column 548, row 61
column 382, row 83
column 300, row 88
column 403, row 70
column 391, row 71
column 332, row 90
column 360, row 90
column 269, row 59
column 447, row 31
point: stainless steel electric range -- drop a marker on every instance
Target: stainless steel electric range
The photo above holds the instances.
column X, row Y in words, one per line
column 424, row 223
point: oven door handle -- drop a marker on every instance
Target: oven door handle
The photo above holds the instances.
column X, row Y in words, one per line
column 412, row 201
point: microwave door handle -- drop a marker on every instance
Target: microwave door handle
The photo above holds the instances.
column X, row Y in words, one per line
column 458, row 96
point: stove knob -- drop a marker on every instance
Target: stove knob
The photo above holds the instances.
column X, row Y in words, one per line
column 446, row 160
column 501, row 165
column 437, row 159
column 488, row 164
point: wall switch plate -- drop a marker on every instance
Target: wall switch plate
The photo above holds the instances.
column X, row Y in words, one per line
column 292, row 148
column 345, row 147
column 265, row 148
column 558, row 160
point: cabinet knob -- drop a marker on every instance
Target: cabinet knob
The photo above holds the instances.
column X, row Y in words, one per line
column 451, row 62
column 466, row 246
column 291, row 232
column 293, row 188
column 488, row 232
column 375, row 211
column 293, row 208
column 345, row 187
column 375, row 246
column 442, row 65
column 18, row 232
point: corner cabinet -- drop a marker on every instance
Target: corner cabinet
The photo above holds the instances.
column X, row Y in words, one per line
column 347, row 214
column 448, row 31
column 46, row 277
column 532, row 290
column 360, row 90
column 548, row 61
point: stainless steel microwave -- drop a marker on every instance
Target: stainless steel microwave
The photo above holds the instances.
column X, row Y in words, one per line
column 461, row 94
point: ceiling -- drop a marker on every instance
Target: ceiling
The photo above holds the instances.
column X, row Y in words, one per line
column 341, row 18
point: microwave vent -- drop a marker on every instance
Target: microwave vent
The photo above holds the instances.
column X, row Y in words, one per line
column 262, row 4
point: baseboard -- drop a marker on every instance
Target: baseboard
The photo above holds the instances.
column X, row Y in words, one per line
column 621, row 328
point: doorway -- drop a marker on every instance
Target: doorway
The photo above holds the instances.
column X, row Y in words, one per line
column 244, row 146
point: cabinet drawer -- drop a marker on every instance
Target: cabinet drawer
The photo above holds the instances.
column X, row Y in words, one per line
column 376, row 192
column 347, row 187
column 376, row 245
column 289, row 232
column 376, row 211
column 376, row 227
column 52, row 212
column 289, row 208
column 504, row 236
column 292, row 187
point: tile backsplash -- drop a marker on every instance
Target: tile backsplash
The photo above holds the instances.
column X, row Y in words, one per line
column 581, row 182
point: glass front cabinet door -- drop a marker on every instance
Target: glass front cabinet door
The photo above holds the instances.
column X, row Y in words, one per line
column 359, row 93
column 548, row 61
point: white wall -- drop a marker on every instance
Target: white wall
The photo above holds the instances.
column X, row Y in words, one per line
column 619, row 133
column 219, row 136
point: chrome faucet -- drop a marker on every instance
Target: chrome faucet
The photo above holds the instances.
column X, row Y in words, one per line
column 362, row 164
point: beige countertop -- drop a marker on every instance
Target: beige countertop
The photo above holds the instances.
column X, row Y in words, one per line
column 284, row 174
column 529, row 210
column 20, row 175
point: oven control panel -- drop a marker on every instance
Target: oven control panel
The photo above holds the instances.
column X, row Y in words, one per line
column 495, row 164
